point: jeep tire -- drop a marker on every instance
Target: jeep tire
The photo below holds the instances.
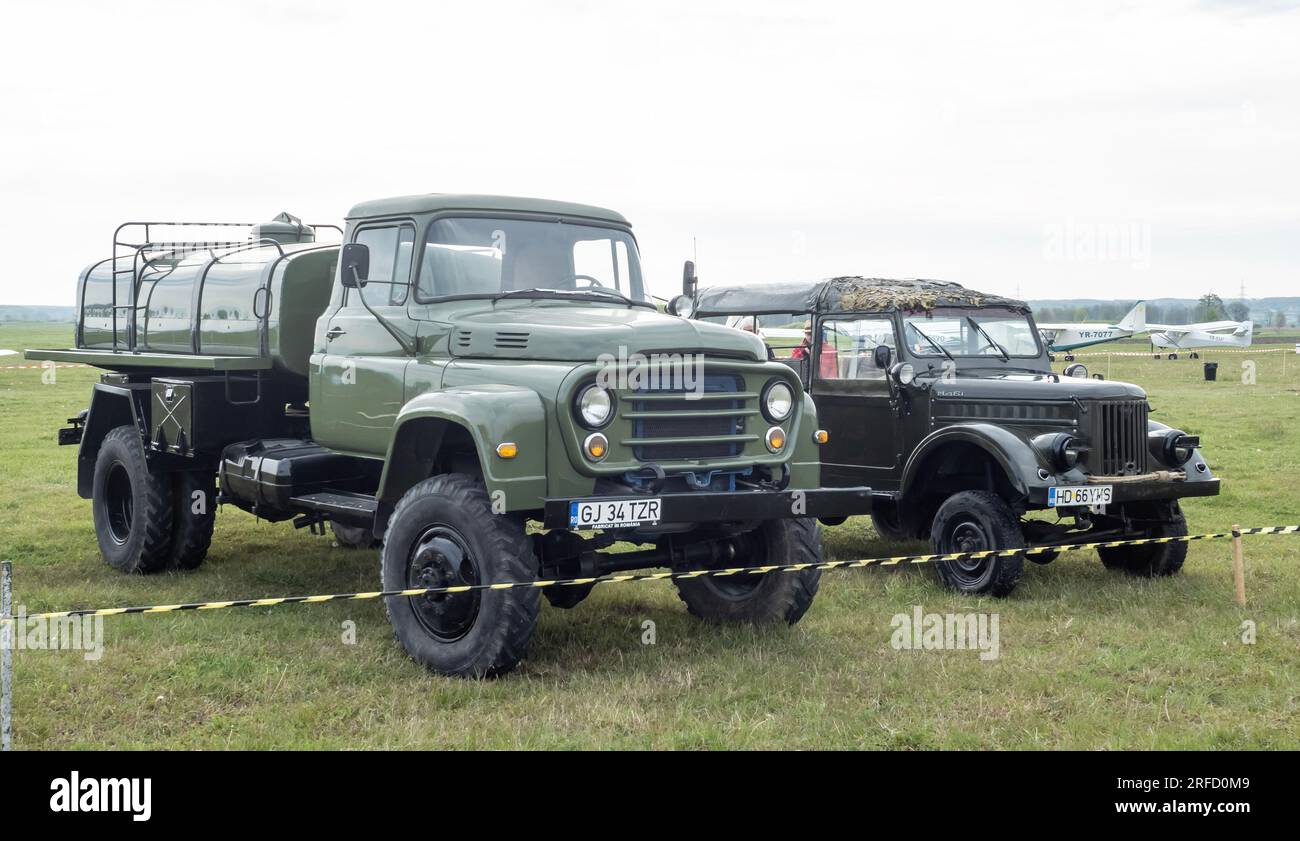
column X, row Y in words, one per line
column 443, row 533
column 764, row 598
column 1153, row 559
column 132, row 505
column 974, row 521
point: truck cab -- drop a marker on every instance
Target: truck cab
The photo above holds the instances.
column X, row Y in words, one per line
column 943, row 400
column 482, row 386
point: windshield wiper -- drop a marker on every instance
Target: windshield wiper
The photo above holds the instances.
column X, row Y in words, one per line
column 931, row 342
column 1006, row 357
column 543, row 292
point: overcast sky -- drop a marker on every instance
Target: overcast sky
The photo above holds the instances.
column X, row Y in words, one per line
column 1099, row 149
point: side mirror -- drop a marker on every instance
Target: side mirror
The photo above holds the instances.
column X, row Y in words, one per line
column 882, row 357
column 354, row 264
column 689, row 280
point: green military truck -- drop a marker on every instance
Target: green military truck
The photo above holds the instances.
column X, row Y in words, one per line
column 479, row 382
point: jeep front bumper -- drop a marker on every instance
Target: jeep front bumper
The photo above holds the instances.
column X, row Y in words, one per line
column 1164, row 484
column 717, row 507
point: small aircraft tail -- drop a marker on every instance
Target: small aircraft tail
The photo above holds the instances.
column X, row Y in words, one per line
column 1136, row 320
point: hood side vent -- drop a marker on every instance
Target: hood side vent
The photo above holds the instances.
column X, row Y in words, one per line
column 461, row 339
column 507, row 340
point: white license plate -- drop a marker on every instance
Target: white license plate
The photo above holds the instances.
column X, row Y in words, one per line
column 613, row 513
column 1074, row 495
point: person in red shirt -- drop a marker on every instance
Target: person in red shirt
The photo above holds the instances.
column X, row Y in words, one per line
column 828, row 367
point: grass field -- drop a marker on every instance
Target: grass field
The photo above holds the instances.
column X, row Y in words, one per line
column 1089, row 659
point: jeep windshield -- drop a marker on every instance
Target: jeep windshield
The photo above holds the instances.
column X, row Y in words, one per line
column 985, row 332
column 495, row 257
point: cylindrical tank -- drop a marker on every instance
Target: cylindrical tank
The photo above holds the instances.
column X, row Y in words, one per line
column 285, row 228
column 260, row 299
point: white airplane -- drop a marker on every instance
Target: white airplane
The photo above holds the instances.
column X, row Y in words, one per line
column 1176, row 337
column 1063, row 338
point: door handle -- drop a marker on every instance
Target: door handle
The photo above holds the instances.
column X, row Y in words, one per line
column 333, row 333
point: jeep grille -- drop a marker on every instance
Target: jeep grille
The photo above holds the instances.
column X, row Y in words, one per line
column 1119, row 437
column 670, row 424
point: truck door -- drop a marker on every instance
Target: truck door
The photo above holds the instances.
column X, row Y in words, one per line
column 853, row 401
column 360, row 387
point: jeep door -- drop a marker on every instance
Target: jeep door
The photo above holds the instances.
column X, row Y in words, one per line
column 854, row 403
column 359, row 385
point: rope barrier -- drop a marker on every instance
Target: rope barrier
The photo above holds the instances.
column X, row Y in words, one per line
column 655, row 576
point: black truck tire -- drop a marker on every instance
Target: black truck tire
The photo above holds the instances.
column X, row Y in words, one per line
column 972, row 521
column 443, row 533
column 886, row 522
column 132, row 505
column 353, row 537
column 191, row 528
column 765, row 598
column 1153, row 559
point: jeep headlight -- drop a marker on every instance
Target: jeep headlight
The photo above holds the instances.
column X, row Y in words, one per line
column 594, row 406
column 1177, row 448
column 778, row 401
column 1062, row 449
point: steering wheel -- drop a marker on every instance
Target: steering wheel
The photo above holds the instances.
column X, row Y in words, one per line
column 591, row 281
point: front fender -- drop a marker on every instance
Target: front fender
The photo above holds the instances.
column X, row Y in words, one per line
column 490, row 415
column 1012, row 453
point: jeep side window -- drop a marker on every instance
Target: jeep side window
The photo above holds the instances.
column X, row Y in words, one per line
column 849, row 348
column 391, row 247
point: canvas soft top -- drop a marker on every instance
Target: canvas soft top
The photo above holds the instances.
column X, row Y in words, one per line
column 846, row 294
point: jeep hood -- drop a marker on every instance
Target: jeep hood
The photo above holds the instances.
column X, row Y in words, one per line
column 1030, row 386
column 548, row 330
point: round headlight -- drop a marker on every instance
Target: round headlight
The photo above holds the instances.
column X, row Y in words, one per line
column 682, row 305
column 1178, row 448
column 595, row 406
column 1067, row 452
column 903, row 373
column 1078, row 370
column 778, row 401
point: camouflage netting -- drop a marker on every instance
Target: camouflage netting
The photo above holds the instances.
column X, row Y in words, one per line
column 846, row 294
column 911, row 295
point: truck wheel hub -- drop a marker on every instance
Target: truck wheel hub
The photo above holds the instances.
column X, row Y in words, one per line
column 970, row 537
column 441, row 558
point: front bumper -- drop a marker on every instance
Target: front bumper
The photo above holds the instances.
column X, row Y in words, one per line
column 718, row 507
column 1142, row 488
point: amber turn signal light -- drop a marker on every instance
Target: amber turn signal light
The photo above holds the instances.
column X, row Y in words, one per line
column 507, row 449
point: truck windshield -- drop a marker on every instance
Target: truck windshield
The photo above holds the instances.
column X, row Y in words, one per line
column 488, row 257
column 971, row 332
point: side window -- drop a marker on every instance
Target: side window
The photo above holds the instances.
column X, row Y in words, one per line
column 602, row 259
column 849, row 345
column 391, row 248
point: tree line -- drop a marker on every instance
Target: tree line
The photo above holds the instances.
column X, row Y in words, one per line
column 1208, row 307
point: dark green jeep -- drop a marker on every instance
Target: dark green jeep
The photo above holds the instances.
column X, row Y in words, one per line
column 942, row 399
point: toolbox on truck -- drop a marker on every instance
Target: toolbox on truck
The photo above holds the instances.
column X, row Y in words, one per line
column 200, row 414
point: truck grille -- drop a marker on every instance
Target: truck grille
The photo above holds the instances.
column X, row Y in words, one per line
column 1119, row 437
column 671, row 424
